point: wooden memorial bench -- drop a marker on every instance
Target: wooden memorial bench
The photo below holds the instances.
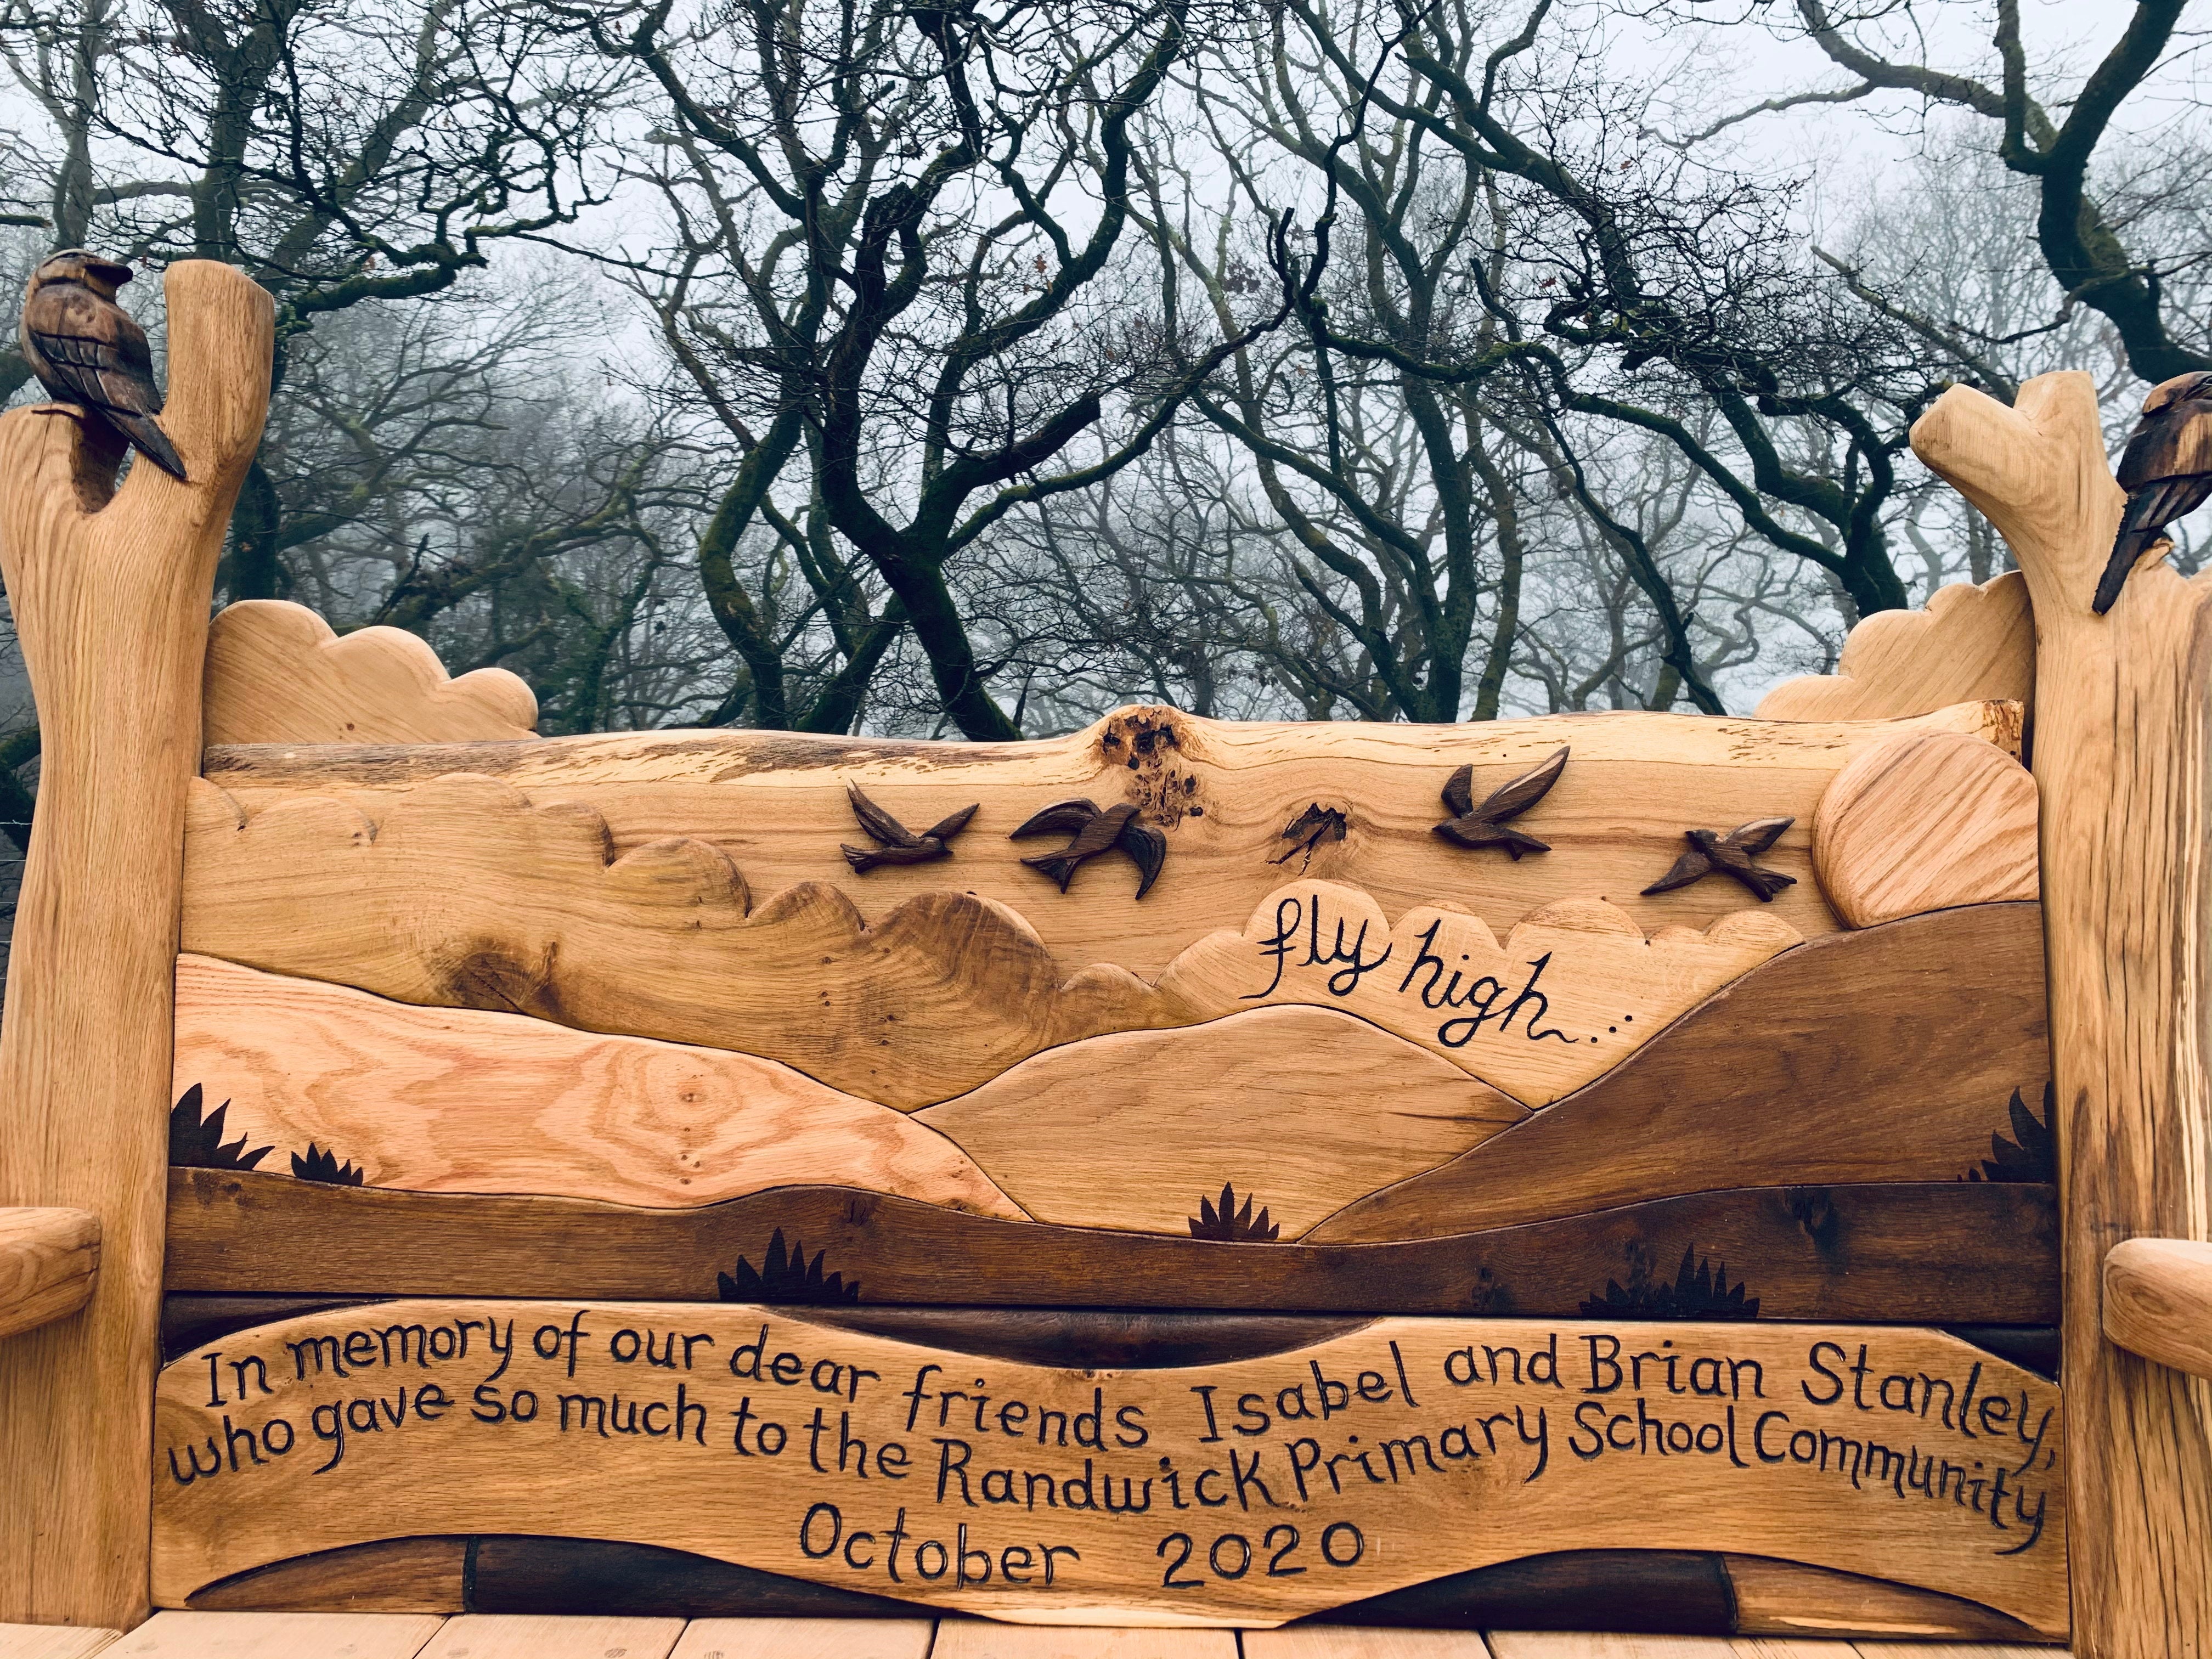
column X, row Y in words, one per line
column 1618, row 1171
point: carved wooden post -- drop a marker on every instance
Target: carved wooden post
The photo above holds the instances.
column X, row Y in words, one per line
column 111, row 597
column 2121, row 759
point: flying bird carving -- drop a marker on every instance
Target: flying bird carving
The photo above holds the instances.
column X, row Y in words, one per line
column 1096, row 832
column 85, row 351
column 1486, row 825
column 1730, row 854
column 2166, row 469
column 895, row 842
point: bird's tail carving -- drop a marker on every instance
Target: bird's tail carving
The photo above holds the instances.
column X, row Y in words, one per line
column 1060, row 867
column 151, row 440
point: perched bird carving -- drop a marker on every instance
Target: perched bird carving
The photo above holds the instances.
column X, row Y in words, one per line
column 2166, row 469
column 1731, row 855
column 85, row 351
column 1486, row 825
column 1096, row 832
column 895, row 842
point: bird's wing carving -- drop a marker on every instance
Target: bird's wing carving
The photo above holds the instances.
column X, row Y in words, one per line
column 880, row 825
column 1147, row 849
column 1062, row 817
column 1690, row 866
column 94, row 348
column 1459, row 792
column 945, row 828
column 1511, row 799
column 1753, row 838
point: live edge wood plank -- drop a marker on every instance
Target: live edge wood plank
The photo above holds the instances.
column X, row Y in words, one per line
column 1969, row 642
column 1939, row 1250
column 2158, row 1302
column 109, row 589
column 775, row 805
column 2120, row 757
column 48, row 1261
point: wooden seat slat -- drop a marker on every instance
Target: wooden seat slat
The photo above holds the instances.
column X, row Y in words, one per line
column 280, row 1636
column 805, row 1639
column 537, row 1636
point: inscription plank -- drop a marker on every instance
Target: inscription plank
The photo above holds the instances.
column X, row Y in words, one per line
column 1245, row 1491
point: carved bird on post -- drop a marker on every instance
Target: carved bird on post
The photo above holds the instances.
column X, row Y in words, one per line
column 1095, row 832
column 85, row 351
column 1485, row 825
column 1732, row 855
column 896, row 843
column 2166, row 469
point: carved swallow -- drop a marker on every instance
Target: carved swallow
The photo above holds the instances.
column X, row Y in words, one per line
column 897, row 843
column 2166, row 469
column 1486, row 825
column 87, row 351
column 1732, row 855
column 1096, row 832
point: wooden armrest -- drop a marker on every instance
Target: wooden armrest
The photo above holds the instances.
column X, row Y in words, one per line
column 2158, row 1302
column 47, row 1262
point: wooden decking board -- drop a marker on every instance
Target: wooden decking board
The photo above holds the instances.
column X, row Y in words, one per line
column 52, row 1641
column 547, row 1636
column 1363, row 1642
column 805, row 1639
column 972, row 1639
column 280, row 1636
column 483, row 1635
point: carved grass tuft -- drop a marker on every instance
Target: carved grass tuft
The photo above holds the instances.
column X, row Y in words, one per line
column 1700, row 1291
column 316, row 1164
column 196, row 1142
column 787, row 1278
column 1225, row 1223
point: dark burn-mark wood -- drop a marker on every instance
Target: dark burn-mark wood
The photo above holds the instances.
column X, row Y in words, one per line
column 196, row 1142
column 1306, row 831
column 895, row 842
column 1486, row 825
column 786, row 1277
column 1225, row 1223
column 318, row 1165
column 1094, row 832
column 1732, row 855
column 1700, row 1291
column 2032, row 1154
column 1940, row 1251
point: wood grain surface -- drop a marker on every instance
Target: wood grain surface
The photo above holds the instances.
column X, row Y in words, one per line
column 1939, row 1252
column 1593, row 1447
column 976, row 1641
column 49, row 1260
column 109, row 591
column 2158, row 1301
column 1886, row 1055
column 464, row 893
column 1362, row 1642
column 1928, row 821
column 1969, row 643
column 53, row 1641
column 1618, row 1589
column 1304, row 1110
column 2120, row 758
column 524, row 1636
column 180, row 1635
column 775, row 803
column 805, row 1639
column 276, row 673
column 448, row 1100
